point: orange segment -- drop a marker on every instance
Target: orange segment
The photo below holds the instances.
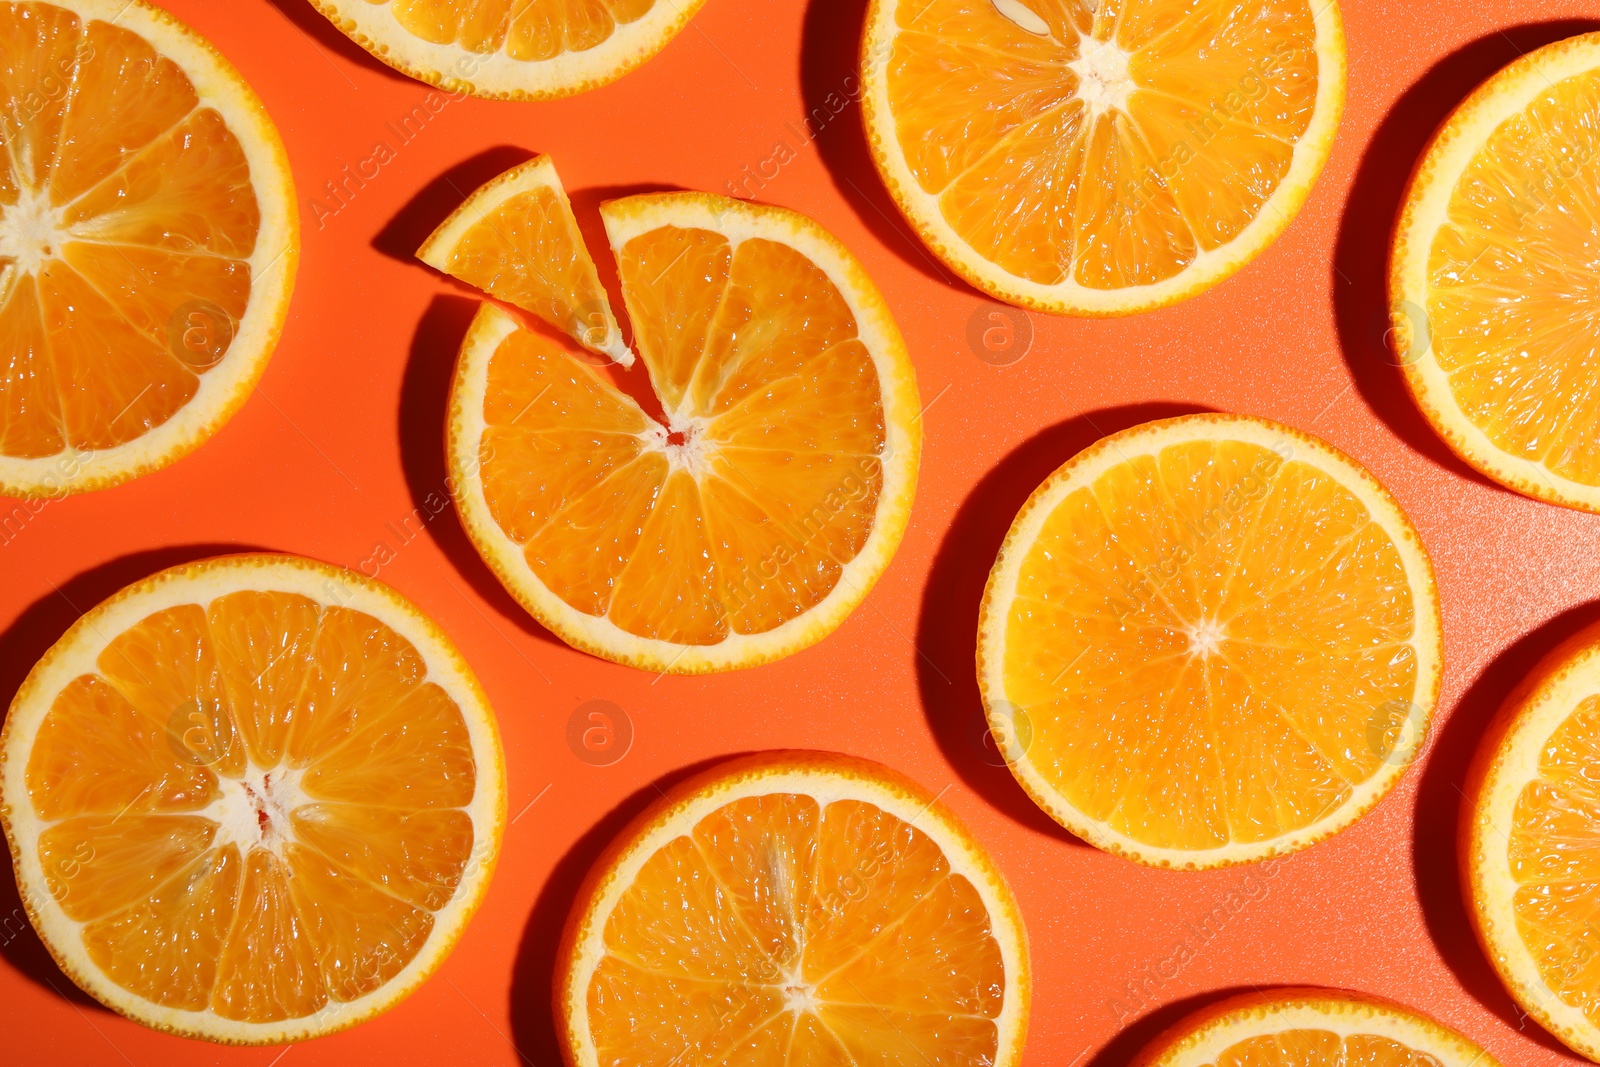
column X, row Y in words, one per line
column 795, row 908
column 1494, row 259
column 756, row 501
column 165, row 948
column 253, row 804
column 1222, row 636
column 146, row 225
column 1101, row 160
column 516, row 239
column 511, row 49
column 30, row 403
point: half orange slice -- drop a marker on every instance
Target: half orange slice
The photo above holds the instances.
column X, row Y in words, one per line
column 794, row 908
column 148, row 243
column 1311, row 1028
column 512, row 49
column 1492, row 277
column 1530, row 833
column 252, row 800
column 1100, row 159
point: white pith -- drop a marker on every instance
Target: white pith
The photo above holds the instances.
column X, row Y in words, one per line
column 1103, row 79
column 254, row 810
column 30, row 230
column 1206, row 638
column 273, row 263
column 275, row 792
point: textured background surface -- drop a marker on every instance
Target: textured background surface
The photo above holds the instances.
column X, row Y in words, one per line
column 338, row 456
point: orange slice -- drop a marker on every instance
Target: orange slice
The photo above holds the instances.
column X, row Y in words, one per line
column 1530, row 856
column 750, row 518
column 794, row 908
column 512, row 49
column 1492, row 277
column 251, row 800
column 148, row 243
column 1311, row 1028
column 1209, row 640
column 1101, row 159
column 517, row 240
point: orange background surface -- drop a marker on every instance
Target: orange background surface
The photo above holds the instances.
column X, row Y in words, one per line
column 341, row 445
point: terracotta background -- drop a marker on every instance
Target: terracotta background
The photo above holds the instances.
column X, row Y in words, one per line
column 341, row 445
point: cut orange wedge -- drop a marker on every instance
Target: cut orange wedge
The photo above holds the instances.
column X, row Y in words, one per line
column 1101, row 159
column 512, row 49
column 148, row 243
column 517, row 240
column 252, row 800
column 794, row 908
column 1311, row 1028
column 1492, row 277
column 1209, row 640
column 1530, row 836
column 749, row 518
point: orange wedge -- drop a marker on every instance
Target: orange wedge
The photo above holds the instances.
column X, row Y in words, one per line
column 747, row 519
column 517, row 240
column 1209, row 640
column 1530, row 838
column 794, row 908
column 1101, row 159
column 148, row 243
column 252, row 800
column 512, row 49
column 1492, row 277
column 1311, row 1028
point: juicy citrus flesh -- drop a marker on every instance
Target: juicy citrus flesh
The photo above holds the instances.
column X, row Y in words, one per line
column 1553, row 852
column 1513, row 305
column 253, row 808
column 738, row 513
column 1112, row 147
column 123, row 204
column 529, row 30
column 1212, row 644
column 780, row 929
column 525, row 249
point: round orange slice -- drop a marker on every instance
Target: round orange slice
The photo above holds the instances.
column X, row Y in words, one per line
column 1310, row 1028
column 252, row 800
column 1209, row 640
column 512, row 49
column 1492, row 277
column 1530, row 833
column 1100, row 159
column 794, row 908
column 148, row 243
column 747, row 518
